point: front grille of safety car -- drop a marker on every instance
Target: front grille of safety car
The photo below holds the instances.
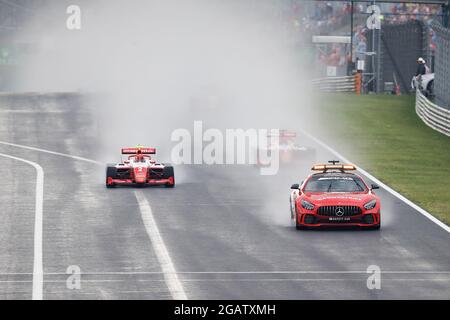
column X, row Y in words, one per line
column 339, row 211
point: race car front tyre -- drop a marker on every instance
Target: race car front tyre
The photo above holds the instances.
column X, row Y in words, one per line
column 111, row 173
column 168, row 173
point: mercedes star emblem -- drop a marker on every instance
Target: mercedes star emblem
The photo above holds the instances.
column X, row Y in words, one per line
column 339, row 211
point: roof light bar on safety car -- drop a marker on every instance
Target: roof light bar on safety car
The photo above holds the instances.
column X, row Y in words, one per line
column 326, row 167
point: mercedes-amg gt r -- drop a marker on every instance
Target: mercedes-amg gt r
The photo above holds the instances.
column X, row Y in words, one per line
column 334, row 196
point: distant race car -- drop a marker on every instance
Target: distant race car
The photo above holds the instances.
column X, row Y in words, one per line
column 334, row 197
column 139, row 169
column 290, row 151
column 424, row 83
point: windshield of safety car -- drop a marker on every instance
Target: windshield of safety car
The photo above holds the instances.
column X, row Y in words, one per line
column 335, row 184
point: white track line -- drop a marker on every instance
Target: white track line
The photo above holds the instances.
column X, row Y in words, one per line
column 38, row 273
column 160, row 249
column 385, row 187
column 50, row 152
column 404, row 280
column 170, row 275
column 133, row 273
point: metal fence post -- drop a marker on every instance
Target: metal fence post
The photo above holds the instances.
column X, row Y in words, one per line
column 445, row 14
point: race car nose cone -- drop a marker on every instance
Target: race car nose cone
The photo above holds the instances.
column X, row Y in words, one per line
column 140, row 174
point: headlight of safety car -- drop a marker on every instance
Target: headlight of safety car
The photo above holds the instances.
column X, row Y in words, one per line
column 307, row 205
column 370, row 205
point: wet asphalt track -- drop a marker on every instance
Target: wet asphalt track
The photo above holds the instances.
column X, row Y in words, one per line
column 226, row 228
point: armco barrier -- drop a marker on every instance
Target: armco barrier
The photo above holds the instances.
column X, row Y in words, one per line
column 435, row 117
column 337, row 84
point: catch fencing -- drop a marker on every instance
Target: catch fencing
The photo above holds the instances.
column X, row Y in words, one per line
column 435, row 117
column 397, row 48
column 442, row 65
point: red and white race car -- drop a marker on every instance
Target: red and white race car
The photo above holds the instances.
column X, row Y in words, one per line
column 290, row 152
column 139, row 169
column 334, row 197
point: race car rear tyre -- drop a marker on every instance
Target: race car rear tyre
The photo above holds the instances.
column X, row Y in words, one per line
column 111, row 172
column 167, row 174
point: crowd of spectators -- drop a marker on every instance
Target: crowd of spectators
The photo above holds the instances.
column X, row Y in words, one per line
column 401, row 13
column 404, row 12
column 322, row 18
column 306, row 18
column 319, row 17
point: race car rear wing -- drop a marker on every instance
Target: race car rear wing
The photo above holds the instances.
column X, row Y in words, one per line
column 138, row 150
column 282, row 134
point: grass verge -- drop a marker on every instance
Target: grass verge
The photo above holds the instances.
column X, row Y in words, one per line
column 384, row 135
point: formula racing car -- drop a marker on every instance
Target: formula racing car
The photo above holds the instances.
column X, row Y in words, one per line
column 139, row 169
column 290, row 152
column 332, row 197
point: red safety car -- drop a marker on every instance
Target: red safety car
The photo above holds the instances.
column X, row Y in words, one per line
column 334, row 196
column 139, row 169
